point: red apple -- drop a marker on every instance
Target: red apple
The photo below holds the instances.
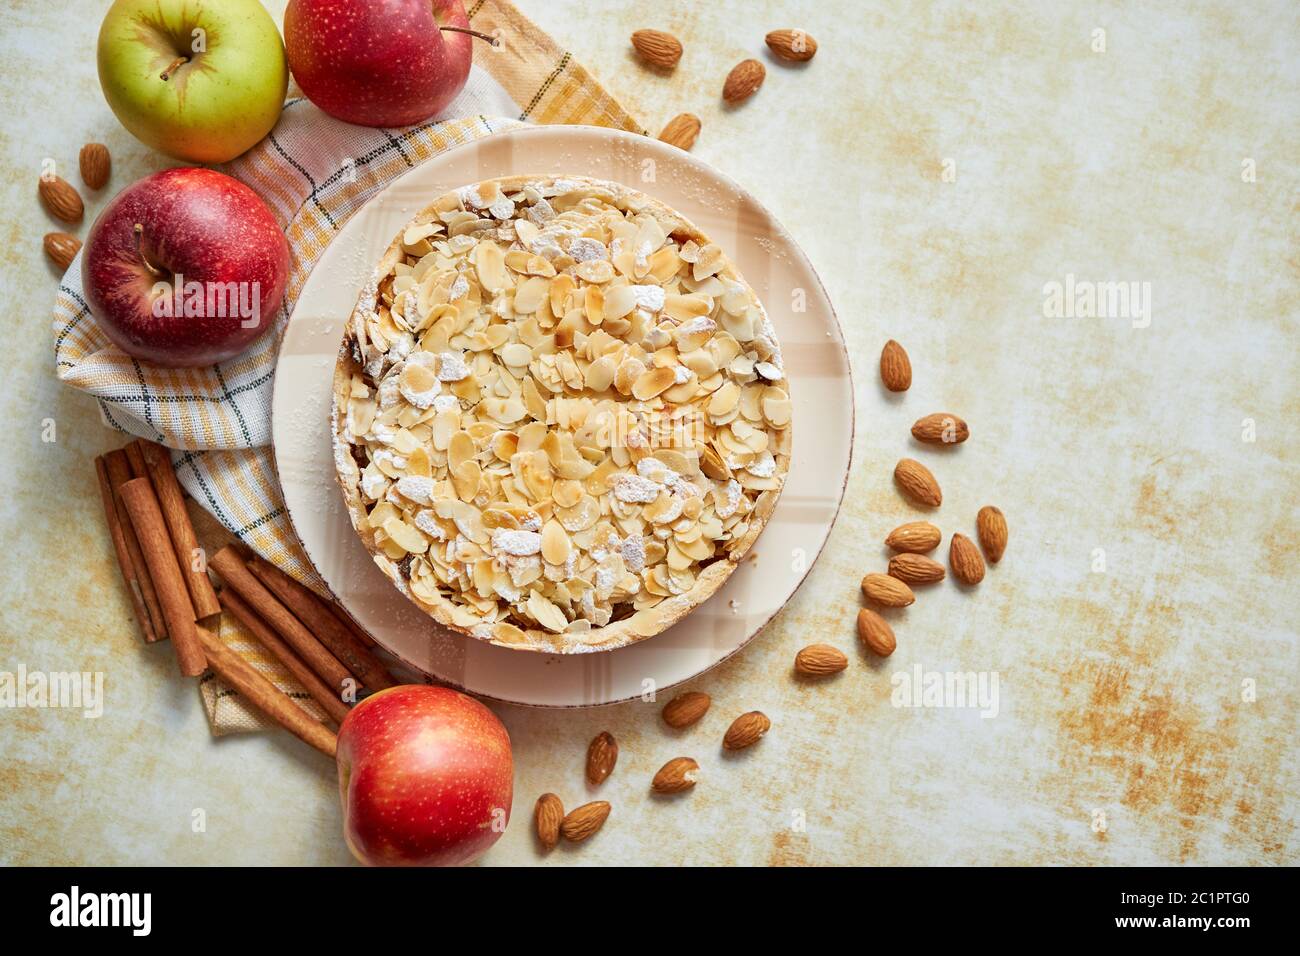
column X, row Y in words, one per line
column 185, row 267
column 426, row 777
column 378, row 62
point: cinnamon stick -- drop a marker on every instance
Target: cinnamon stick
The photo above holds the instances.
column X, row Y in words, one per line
column 239, row 579
column 130, row 576
column 151, row 529
column 136, row 458
column 315, row 613
column 171, row 500
column 329, row 701
column 357, row 630
column 265, row 696
column 118, row 467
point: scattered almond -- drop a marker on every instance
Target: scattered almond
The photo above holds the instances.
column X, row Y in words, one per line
column 991, row 524
column 658, row 48
column 819, row 660
column 792, row 45
column 584, row 821
column 895, row 367
column 96, row 165
column 887, row 590
column 61, row 248
column 746, row 730
column 743, row 81
column 916, row 569
column 875, row 633
column 548, row 815
column 941, row 428
column 964, row 557
column 685, row 709
column 917, row 537
column 61, row 199
column 917, row 482
column 675, row 776
column 602, row 754
column 681, row 131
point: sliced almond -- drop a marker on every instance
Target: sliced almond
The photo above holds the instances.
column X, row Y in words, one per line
column 652, row 383
column 556, row 546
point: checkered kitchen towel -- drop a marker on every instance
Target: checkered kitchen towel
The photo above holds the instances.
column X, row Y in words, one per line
column 314, row 172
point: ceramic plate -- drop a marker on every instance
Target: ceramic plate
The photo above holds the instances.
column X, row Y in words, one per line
column 815, row 360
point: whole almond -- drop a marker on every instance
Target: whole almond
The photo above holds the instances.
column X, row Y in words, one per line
column 746, row 730
column 917, row 483
column 548, row 815
column 675, row 776
column 602, row 754
column 61, row 199
column 61, row 248
column 941, row 428
column 658, row 48
column 743, row 81
column 918, row 537
column 685, row 709
column 96, row 165
column 991, row 524
column 792, row 45
column 584, row 821
column 964, row 557
column 887, row 590
column 916, row 569
column 681, row 131
column 895, row 367
column 819, row 660
column 875, row 633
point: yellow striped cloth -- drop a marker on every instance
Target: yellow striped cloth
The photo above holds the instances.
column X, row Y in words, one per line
column 314, row 172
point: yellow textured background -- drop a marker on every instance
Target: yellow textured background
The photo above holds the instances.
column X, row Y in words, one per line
column 1121, row 690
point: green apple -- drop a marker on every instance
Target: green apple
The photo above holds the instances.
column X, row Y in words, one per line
column 201, row 80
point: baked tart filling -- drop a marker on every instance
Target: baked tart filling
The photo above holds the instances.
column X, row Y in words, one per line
column 561, row 416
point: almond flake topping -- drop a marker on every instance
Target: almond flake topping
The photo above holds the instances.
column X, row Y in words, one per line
column 565, row 407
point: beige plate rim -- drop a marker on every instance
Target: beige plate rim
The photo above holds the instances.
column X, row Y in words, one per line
column 817, row 365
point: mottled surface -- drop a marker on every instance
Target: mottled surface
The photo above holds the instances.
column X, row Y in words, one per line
column 1122, row 735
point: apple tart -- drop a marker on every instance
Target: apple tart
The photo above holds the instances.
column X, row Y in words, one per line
column 560, row 414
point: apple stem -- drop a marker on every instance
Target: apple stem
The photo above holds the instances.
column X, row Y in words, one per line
column 474, row 33
column 139, row 239
column 172, row 67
